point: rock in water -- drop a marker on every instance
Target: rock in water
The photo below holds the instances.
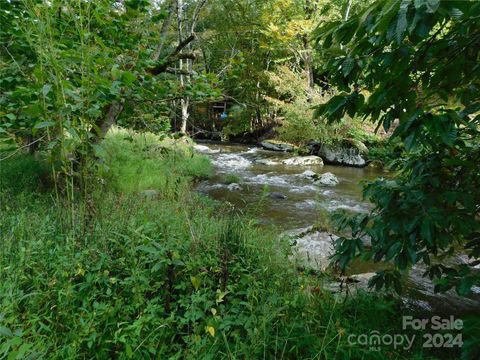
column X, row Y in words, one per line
column 304, row 161
column 342, row 155
column 277, row 195
column 327, row 179
column 205, row 149
column 309, row 174
column 266, row 162
column 274, row 146
column 234, row 187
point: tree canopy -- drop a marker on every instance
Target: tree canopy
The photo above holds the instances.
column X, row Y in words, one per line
column 416, row 62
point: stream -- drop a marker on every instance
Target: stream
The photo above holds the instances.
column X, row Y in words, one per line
column 282, row 196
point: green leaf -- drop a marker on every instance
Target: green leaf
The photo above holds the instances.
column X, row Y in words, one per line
column 46, row 89
column 11, row 116
column 195, row 282
column 5, row 331
column 44, row 124
column 347, row 66
column 33, row 110
column 402, row 20
column 128, row 78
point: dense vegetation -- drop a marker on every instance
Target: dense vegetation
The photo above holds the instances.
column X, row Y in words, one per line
column 106, row 252
column 142, row 276
column 432, row 207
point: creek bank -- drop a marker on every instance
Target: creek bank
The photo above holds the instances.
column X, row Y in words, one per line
column 312, row 248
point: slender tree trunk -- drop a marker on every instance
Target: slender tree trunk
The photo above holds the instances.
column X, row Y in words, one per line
column 307, row 59
column 186, row 64
column 347, row 10
column 184, row 102
column 309, row 8
column 164, row 30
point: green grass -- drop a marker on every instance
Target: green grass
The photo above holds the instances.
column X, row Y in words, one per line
column 176, row 277
column 136, row 162
column 232, row 179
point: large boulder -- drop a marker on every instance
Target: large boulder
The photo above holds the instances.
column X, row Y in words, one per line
column 342, row 155
column 276, row 146
column 327, row 179
column 312, row 248
column 304, row 161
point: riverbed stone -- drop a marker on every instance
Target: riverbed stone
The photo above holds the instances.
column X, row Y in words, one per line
column 277, row 196
column 303, row 161
column 341, row 155
column 327, row 179
column 309, row 174
column 205, row 149
column 266, row 162
column 311, row 248
column 276, row 146
column 234, row 187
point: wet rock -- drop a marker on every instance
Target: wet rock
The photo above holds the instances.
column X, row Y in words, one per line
column 231, row 161
column 304, row 161
column 362, row 279
column 150, row 194
column 205, row 149
column 274, row 146
column 266, row 162
column 350, row 284
column 327, row 179
column 295, row 233
column 341, row 155
column 312, row 248
column 423, row 289
column 309, row 174
column 234, row 187
column 277, row 196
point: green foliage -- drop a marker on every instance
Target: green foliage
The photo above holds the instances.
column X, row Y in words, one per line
column 72, row 69
column 134, row 162
column 174, row 276
column 232, row 179
column 429, row 213
column 24, row 173
column 387, row 150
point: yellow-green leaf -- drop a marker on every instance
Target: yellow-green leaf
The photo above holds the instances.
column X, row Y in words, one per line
column 210, row 330
column 195, row 282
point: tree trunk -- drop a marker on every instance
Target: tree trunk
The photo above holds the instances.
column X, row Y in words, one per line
column 347, row 10
column 185, row 114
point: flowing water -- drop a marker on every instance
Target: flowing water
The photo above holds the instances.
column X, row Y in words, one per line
column 280, row 195
column 304, row 202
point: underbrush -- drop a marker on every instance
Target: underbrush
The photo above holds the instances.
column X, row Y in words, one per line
column 176, row 276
